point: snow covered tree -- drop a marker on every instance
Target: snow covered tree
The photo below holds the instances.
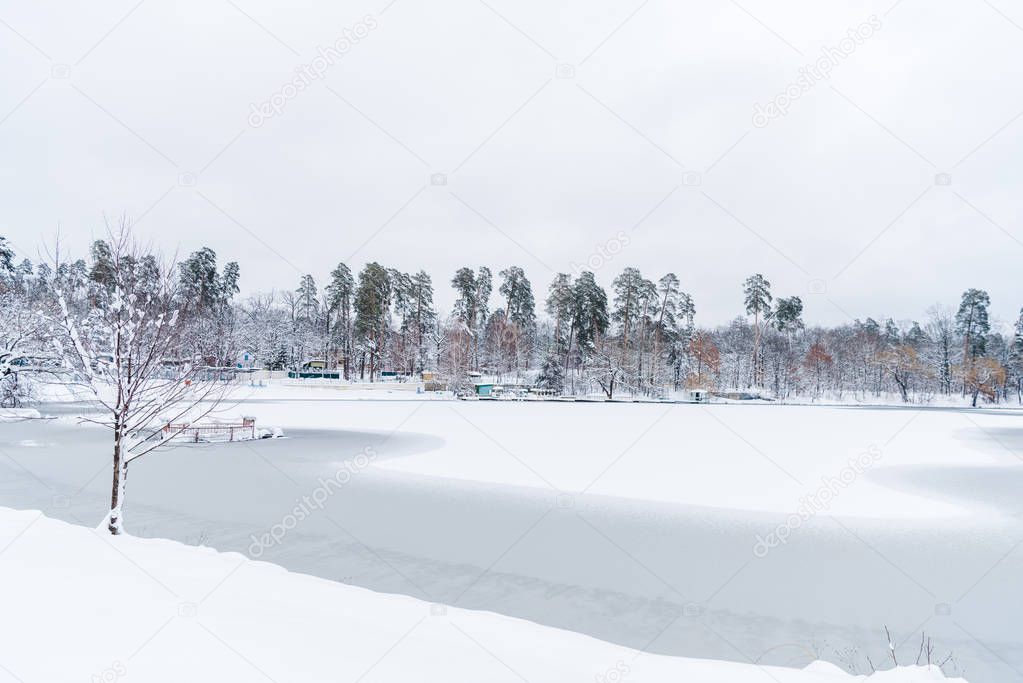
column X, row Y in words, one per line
column 423, row 318
column 552, row 374
column 818, row 361
column 631, row 292
column 518, row 295
column 589, row 309
column 132, row 353
column 372, row 316
column 788, row 314
column 102, row 271
column 972, row 322
column 635, row 300
column 339, row 297
column 941, row 353
column 472, row 307
column 204, row 296
column 308, row 301
column 24, row 332
column 403, row 299
column 559, row 306
column 1016, row 357
column 983, row 377
column 510, row 331
column 707, row 360
column 199, row 280
column 757, row 297
column 6, row 258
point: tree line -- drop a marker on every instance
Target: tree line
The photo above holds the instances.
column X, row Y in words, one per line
column 638, row 338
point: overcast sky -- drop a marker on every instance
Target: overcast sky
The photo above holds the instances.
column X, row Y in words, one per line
column 562, row 131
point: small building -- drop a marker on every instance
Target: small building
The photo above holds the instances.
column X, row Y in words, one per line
column 698, row 395
column 245, row 361
column 314, row 364
column 484, row 389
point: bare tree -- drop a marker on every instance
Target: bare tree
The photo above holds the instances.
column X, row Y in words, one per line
column 127, row 350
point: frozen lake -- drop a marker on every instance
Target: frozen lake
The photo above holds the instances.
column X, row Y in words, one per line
column 634, row 523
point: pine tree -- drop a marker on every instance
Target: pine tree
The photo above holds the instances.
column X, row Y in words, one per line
column 788, row 314
column 308, row 299
column 424, row 316
column 552, row 374
column 757, row 297
column 372, row 308
column 340, row 294
column 6, row 258
column 518, row 295
column 630, row 291
column 229, row 281
column 102, row 271
column 472, row 307
column 972, row 322
column 559, row 307
column 200, row 282
column 682, row 337
column 589, row 310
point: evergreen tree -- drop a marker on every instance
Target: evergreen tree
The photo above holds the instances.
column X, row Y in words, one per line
column 464, row 283
column 518, row 295
column 484, row 287
column 559, row 306
column 307, row 300
column 102, row 271
column 339, row 295
column 631, row 291
column 372, row 308
column 915, row 337
column 552, row 374
column 788, row 314
column 757, row 297
column 200, row 282
column 229, row 281
column 423, row 316
column 972, row 322
column 6, row 258
column 667, row 320
column 589, row 310
column 472, row 307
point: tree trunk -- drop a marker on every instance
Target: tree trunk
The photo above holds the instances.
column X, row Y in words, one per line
column 115, row 523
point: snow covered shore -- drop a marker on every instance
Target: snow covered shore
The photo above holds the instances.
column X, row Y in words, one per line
column 80, row 605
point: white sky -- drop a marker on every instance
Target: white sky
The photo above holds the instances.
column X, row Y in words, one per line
column 106, row 106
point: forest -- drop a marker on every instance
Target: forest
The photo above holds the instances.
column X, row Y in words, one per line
column 639, row 338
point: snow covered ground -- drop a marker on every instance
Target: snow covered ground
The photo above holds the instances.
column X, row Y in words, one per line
column 775, row 534
column 80, row 605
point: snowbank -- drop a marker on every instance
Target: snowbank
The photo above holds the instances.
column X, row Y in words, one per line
column 80, row 605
